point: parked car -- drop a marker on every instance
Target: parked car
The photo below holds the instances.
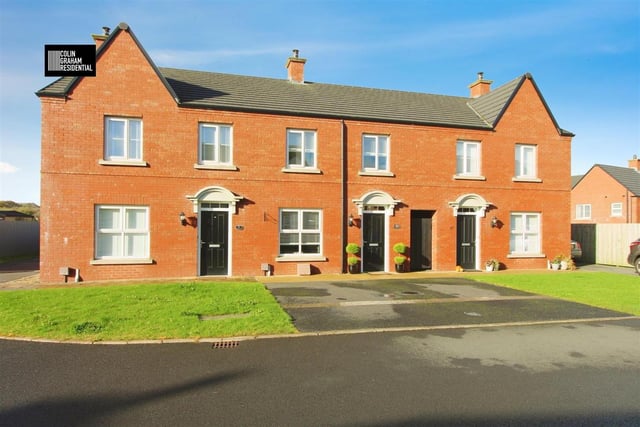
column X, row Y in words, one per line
column 576, row 250
column 634, row 254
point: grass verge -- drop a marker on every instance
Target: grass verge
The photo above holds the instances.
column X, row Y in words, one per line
column 604, row 290
column 149, row 311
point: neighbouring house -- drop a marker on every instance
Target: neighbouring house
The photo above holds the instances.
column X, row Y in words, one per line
column 607, row 195
column 152, row 172
column 15, row 216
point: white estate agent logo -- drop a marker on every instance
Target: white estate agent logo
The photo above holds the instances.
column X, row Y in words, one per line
column 69, row 60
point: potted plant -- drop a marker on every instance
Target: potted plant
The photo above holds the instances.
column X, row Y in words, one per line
column 492, row 264
column 352, row 260
column 555, row 262
column 564, row 262
column 400, row 259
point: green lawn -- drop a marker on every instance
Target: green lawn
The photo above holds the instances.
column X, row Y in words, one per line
column 149, row 311
column 606, row 290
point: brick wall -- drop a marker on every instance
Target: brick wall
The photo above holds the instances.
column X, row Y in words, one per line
column 422, row 160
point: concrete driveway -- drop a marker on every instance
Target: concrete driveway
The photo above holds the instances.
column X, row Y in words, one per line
column 19, row 269
column 395, row 303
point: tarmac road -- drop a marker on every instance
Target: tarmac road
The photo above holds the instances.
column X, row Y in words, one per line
column 543, row 375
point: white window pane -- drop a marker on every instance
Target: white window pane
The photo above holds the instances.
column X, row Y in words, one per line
column 311, row 220
column 115, row 138
column 225, row 135
column 208, row 152
column 289, row 238
column 369, row 161
column 109, row 245
column 310, row 238
column 136, row 245
column 225, row 154
column 295, row 141
column 382, row 145
column 382, row 162
column 136, row 219
column 109, row 219
column 532, row 222
column 289, row 220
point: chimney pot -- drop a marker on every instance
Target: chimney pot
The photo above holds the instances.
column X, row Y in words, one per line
column 295, row 67
column 481, row 86
column 106, row 30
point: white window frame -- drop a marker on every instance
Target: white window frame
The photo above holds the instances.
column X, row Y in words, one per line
column 109, row 140
column 309, row 142
column 526, row 161
column 377, row 153
column 123, row 231
column 216, row 143
column 466, row 164
column 616, row 209
column 525, row 241
column 583, row 211
column 300, row 230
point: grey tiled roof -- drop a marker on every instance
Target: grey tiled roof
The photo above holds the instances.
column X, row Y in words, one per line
column 575, row 179
column 628, row 177
column 233, row 92
column 209, row 90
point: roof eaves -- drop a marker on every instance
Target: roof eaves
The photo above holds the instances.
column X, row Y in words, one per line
column 281, row 112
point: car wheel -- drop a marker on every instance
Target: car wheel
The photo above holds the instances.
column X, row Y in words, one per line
column 637, row 265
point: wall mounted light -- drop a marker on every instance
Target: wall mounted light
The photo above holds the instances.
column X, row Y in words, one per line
column 351, row 223
column 494, row 222
column 183, row 219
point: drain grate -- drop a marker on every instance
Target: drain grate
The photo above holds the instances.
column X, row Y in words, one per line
column 225, row 344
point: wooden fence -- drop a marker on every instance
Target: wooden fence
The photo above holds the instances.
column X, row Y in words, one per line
column 605, row 243
column 19, row 238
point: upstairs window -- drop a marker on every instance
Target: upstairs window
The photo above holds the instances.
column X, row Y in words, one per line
column 616, row 209
column 375, row 153
column 583, row 211
column 468, row 158
column 526, row 161
column 123, row 139
column 215, row 144
column 301, row 149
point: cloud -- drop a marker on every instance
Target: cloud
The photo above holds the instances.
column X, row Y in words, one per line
column 7, row 168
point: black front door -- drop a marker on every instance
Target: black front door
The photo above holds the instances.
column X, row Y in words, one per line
column 373, row 242
column 421, row 240
column 466, row 241
column 214, row 243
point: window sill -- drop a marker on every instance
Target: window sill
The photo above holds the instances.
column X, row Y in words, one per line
column 215, row 167
column 514, row 256
column 470, row 177
column 300, row 258
column 122, row 163
column 301, row 170
column 518, row 179
column 376, row 173
column 121, row 261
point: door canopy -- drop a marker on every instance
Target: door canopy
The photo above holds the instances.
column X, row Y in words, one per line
column 378, row 198
column 470, row 201
column 215, row 195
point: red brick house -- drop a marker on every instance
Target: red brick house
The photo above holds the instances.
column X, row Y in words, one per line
column 160, row 172
column 607, row 195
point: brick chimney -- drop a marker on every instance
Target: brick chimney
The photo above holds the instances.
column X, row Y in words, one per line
column 480, row 86
column 295, row 68
column 100, row 38
column 635, row 163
